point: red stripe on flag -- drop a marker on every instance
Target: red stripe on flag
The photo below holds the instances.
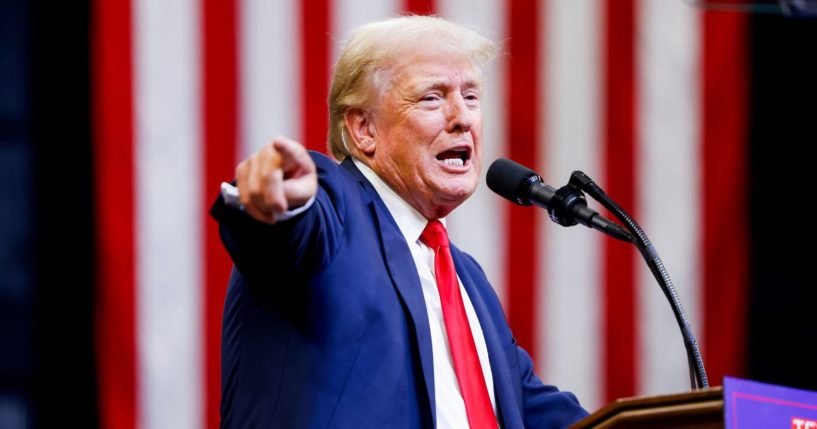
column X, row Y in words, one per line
column 220, row 136
column 523, row 101
column 114, row 185
column 419, row 7
column 619, row 125
column 725, row 238
column 315, row 72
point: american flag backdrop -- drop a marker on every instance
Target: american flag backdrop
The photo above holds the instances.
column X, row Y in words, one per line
column 648, row 97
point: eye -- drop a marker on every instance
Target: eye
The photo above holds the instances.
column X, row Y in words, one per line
column 430, row 101
column 471, row 97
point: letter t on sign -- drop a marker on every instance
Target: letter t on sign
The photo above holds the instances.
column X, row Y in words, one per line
column 801, row 423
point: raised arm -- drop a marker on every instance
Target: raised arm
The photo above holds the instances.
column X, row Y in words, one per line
column 279, row 178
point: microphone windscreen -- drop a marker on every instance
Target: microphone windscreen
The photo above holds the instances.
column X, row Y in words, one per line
column 510, row 180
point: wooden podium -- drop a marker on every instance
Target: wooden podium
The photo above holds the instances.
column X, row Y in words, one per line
column 702, row 409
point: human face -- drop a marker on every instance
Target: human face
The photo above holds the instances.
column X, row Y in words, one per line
column 428, row 131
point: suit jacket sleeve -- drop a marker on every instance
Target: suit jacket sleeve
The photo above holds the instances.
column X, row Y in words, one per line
column 544, row 405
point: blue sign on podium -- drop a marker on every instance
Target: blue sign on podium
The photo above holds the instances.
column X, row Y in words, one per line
column 753, row 405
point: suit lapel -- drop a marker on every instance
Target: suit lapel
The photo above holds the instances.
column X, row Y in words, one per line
column 403, row 273
column 503, row 387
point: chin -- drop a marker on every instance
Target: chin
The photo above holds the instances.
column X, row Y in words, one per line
column 457, row 195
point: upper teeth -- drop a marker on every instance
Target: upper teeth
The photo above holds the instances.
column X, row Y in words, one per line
column 454, row 161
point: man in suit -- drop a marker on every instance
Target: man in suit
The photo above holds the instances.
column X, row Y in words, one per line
column 347, row 306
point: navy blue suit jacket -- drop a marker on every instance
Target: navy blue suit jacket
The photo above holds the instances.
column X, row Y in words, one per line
column 325, row 323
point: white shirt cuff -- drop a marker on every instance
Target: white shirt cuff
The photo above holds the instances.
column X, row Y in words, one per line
column 230, row 195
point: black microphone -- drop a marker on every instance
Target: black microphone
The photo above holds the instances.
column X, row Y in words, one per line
column 566, row 206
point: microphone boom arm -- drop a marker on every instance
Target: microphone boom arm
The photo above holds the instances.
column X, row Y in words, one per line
column 697, row 372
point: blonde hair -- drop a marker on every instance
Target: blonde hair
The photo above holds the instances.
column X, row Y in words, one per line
column 368, row 50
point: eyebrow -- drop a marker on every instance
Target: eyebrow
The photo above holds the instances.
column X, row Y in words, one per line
column 443, row 84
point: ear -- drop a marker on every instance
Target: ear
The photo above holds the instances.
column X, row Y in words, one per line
column 361, row 130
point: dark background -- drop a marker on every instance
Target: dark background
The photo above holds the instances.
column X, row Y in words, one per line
column 46, row 214
column 782, row 341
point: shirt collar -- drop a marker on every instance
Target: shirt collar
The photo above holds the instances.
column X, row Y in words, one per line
column 409, row 220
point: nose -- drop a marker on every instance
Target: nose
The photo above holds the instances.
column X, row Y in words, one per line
column 460, row 117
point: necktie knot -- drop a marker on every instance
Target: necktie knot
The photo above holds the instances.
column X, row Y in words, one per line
column 434, row 236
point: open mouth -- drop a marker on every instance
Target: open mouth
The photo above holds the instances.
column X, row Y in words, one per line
column 457, row 157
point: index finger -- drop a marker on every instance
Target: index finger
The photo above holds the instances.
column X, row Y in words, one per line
column 293, row 154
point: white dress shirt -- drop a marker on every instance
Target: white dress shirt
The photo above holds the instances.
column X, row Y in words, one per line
column 450, row 407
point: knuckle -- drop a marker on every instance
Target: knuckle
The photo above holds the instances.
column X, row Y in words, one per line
column 268, row 179
column 255, row 189
column 241, row 168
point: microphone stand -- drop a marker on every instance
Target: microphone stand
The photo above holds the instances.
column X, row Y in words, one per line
column 697, row 372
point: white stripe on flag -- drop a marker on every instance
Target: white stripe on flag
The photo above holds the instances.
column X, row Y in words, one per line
column 269, row 54
column 478, row 225
column 668, row 180
column 168, row 210
column 570, row 301
column 348, row 14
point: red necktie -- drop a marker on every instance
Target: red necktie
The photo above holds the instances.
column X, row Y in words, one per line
column 463, row 349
